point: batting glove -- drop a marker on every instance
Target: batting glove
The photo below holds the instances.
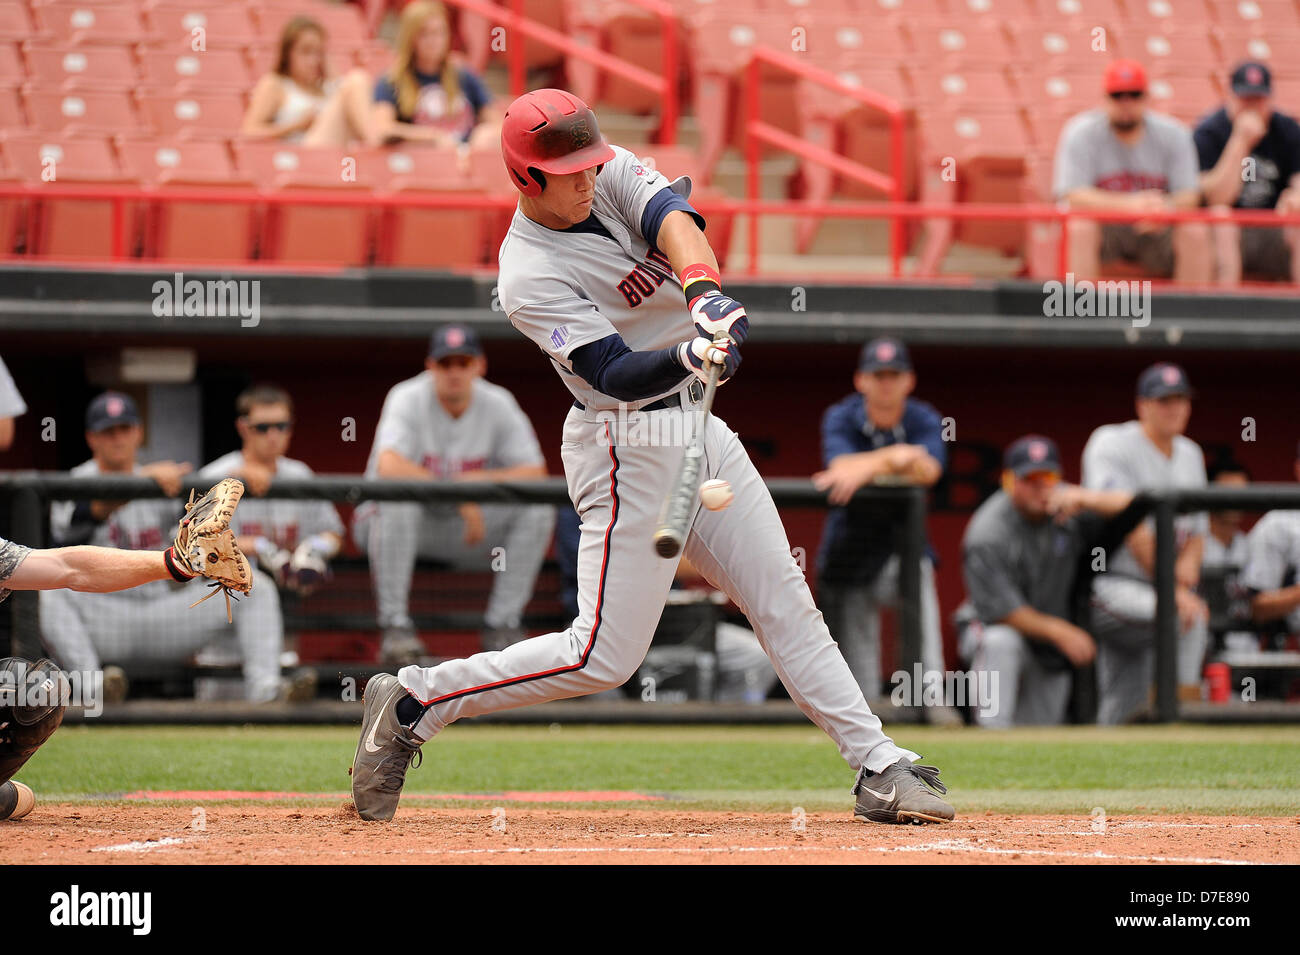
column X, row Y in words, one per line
column 697, row 354
column 308, row 568
column 714, row 312
column 273, row 559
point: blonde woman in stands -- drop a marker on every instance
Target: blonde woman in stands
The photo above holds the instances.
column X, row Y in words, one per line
column 299, row 102
column 428, row 96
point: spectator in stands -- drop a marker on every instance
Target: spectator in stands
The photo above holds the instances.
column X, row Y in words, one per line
column 11, row 407
column 299, row 102
column 427, row 96
column 449, row 424
column 1022, row 553
column 1250, row 159
column 877, row 435
column 1272, row 572
column 1226, row 551
column 1127, row 158
column 1151, row 452
column 292, row 540
column 153, row 623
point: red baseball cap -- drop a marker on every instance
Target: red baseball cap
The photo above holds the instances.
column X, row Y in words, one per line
column 1125, row 76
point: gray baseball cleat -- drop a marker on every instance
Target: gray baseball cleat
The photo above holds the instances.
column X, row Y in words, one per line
column 898, row 793
column 386, row 750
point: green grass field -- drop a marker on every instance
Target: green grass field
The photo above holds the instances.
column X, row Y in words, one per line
column 1250, row 771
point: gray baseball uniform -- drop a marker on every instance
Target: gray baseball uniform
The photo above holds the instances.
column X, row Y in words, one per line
column 286, row 522
column 11, row 402
column 1122, row 457
column 566, row 288
column 154, row 622
column 1009, row 562
column 11, row 555
column 1273, row 551
column 493, row 432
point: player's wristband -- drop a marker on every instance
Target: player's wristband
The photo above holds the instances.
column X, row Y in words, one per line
column 700, row 279
column 179, row 572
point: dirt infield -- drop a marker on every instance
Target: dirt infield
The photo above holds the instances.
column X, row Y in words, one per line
column 156, row 833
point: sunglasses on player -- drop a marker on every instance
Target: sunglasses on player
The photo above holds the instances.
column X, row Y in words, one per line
column 1127, row 94
column 266, row 427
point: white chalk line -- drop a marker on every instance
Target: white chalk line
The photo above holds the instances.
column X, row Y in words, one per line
column 146, row 846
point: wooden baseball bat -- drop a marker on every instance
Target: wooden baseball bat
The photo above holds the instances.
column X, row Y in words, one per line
column 670, row 536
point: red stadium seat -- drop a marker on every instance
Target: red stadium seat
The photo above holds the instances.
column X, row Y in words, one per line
column 270, row 164
column 946, row 45
column 318, row 234
column 151, row 161
column 11, row 109
column 1186, row 98
column 81, row 67
column 1002, row 11
column 200, row 26
column 962, row 88
column 477, row 37
column 12, row 71
column 184, row 71
column 194, row 115
column 67, row 228
column 1162, row 52
column 898, row 11
column 1258, row 13
column 15, row 23
column 81, row 111
column 344, row 25
column 1168, row 14
column 1238, row 42
column 1087, row 13
column 77, row 23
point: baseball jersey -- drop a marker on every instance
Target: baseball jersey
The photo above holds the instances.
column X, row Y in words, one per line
column 11, row 555
column 856, row 544
column 1217, row 554
column 143, row 524
column 1120, row 457
column 568, row 288
column 1276, row 156
column 1273, row 556
column 1089, row 154
column 11, row 402
column 1009, row 561
column 286, row 522
column 493, row 432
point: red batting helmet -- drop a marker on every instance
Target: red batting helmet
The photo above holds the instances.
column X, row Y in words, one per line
column 549, row 131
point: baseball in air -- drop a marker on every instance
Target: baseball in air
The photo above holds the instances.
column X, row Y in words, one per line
column 716, row 494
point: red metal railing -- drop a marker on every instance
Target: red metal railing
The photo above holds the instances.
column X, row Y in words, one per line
column 757, row 131
column 124, row 195
column 664, row 86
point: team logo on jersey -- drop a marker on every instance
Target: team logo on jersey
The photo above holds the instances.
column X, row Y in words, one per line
column 559, row 336
column 641, row 282
column 639, row 169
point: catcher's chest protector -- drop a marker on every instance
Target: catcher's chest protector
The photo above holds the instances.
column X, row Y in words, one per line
column 32, row 698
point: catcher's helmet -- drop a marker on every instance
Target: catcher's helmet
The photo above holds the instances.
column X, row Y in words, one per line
column 549, row 131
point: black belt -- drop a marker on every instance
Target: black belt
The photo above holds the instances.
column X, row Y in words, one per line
column 695, row 391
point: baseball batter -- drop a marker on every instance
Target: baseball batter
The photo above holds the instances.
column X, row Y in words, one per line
column 589, row 272
column 152, row 622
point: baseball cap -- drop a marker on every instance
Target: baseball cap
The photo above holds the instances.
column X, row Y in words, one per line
column 1162, row 380
column 1252, row 79
column 1032, row 454
column 109, row 410
column 454, row 340
column 1125, row 76
column 884, row 354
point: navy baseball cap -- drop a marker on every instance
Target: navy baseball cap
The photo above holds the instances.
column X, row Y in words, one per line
column 1252, row 79
column 454, row 340
column 1163, row 380
column 1032, row 454
column 109, row 410
column 884, row 354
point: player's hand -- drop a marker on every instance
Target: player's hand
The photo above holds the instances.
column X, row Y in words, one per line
column 1066, row 500
column 1249, row 128
column 167, row 475
column 1149, row 200
column 308, row 568
column 843, row 477
column 1075, row 643
column 1191, row 608
column 714, row 312
column 472, row 515
column 697, row 354
column 273, row 559
column 256, row 477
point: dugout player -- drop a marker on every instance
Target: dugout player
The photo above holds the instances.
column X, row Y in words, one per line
column 1272, row 564
column 879, row 434
column 590, row 274
column 292, row 540
column 11, row 407
column 1022, row 552
column 151, row 623
column 449, row 423
column 1151, row 452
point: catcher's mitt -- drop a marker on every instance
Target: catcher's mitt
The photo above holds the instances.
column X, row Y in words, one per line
column 205, row 546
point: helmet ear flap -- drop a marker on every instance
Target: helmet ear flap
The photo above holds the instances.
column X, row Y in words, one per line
column 537, row 177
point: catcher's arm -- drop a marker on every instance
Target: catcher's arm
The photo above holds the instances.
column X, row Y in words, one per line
column 89, row 569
